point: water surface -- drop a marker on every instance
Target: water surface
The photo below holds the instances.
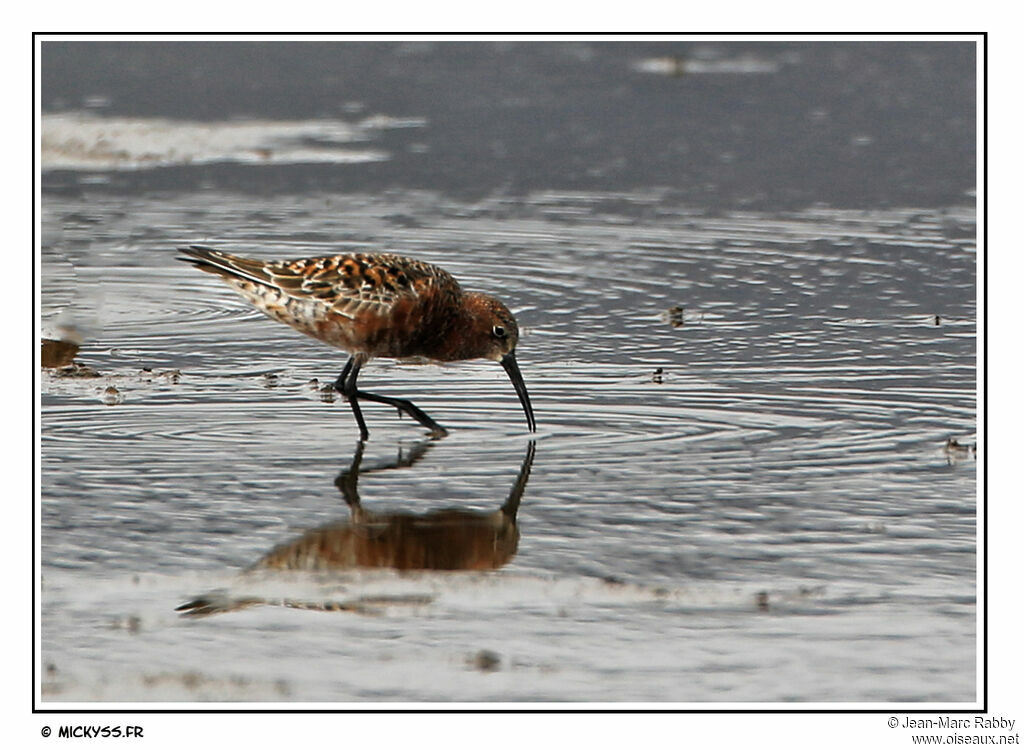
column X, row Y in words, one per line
column 742, row 487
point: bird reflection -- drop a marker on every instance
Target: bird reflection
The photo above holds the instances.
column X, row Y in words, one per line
column 447, row 539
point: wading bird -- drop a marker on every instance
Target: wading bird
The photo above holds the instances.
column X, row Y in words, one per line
column 376, row 305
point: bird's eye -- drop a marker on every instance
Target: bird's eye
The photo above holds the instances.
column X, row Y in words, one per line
column 498, row 331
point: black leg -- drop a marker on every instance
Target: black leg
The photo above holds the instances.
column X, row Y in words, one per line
column 339, row 384
column 404, row 405
column 346, row 385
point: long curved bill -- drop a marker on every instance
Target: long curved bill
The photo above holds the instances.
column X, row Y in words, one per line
column 512, row 368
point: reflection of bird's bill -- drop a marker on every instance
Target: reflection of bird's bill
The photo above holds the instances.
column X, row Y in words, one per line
column 511, row 506
column 512, row 368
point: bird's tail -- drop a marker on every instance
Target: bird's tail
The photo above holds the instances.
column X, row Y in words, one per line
column 230, row 267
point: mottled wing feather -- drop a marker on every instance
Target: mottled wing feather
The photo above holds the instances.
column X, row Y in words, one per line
column 359, row 282
column 380, row 290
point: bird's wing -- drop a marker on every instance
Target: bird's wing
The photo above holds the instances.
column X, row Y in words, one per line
column 348, row 283
column 359, row 281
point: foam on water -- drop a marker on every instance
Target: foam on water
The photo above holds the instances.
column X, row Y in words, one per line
column 86, row 141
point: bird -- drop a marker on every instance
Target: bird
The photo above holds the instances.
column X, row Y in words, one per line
column 376, row 305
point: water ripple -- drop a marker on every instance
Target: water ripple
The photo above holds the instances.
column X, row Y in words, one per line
column 756, row 405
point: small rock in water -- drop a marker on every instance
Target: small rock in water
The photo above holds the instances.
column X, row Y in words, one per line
column 148, row 374
column 112, row 396
column 172, row 376
column 486, row 661
column 76, row 370
column 131, row 623
column 58, row 353
column 674, row 316
column 955, row 448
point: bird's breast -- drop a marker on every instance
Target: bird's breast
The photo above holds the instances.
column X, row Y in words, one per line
column 409, row 326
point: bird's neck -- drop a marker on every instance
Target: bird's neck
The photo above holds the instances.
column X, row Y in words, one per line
column 465, row 334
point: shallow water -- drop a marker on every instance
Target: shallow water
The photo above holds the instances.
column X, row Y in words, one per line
column 742, row 489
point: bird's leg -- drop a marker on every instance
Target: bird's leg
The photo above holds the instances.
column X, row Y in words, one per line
column 346, row 385
column 339, row 384
column 404, row 405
